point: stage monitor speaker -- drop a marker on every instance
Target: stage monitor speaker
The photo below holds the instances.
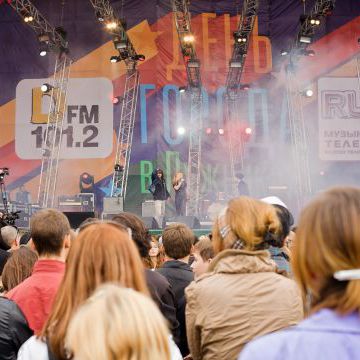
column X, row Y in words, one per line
column 113, row 205
column 77, row 217
column 148, row 208
column 191, row 221
column 151, row 222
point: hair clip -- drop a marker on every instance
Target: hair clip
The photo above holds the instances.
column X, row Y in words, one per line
column 345, row 275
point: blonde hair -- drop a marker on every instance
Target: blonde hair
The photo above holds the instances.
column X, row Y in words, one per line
column 102, row 252
column 249, row 220
column 328, row 240
column 128, row 326
column 177, row 177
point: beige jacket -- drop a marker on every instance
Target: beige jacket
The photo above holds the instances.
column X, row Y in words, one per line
column 241, row 297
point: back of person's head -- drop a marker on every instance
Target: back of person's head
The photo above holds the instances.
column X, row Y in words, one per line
column 328, row 241
column 205, row 249
column 177, row 240
column 25, row 238
column 128, row 326
column 49, row 227
column 9, row 235
column 18, row 267
column 247, row 224
column 102, row 252
column 286, row 221
column 139, row 233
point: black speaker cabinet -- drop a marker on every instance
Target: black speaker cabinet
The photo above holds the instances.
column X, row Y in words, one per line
column 77, row 217
column 191, row 221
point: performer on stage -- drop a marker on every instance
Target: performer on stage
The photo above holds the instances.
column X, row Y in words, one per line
column 179, row 186
column 159, row 191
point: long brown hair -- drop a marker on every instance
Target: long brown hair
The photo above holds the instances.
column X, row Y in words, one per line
column 18, row 267
column 101, row 253
column 328, row 240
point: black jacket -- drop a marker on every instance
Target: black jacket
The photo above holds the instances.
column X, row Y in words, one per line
column 4, row 255
column 14, row 329
column 179, row 275
column 161, row 293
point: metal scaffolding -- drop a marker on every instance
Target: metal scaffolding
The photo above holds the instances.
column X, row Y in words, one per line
column 56, row 42
column 182, row 18
column 117, row 28
column 233, row 85
column 299, row 136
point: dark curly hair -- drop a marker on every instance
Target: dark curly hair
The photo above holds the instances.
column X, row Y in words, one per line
column 140, row 234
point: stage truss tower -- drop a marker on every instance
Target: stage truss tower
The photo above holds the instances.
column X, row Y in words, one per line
column 117, row 28
column 55, row 40
column 233, row 85
column 298, row 130
column 182, row 19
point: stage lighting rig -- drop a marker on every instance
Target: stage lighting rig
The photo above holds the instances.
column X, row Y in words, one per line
column 182, row 89
column 46, row 88
column 114, row 59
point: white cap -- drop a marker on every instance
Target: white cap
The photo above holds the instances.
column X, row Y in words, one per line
column 274, row 200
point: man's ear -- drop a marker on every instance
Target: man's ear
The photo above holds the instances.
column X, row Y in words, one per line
column 31, row 245
column 209, row 260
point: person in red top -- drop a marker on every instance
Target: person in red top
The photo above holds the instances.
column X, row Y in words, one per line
column 50, row 233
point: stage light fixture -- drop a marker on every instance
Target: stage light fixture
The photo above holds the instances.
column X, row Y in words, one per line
column 182, row 89
column 28, row 18
column 315, row 21
column 119, row 43
column 118, row 168
column 43, row 50
column 221, row 131
column 116, row 100
column 309, row 53
column 45, row 88
column 245, row 87
column 99, row 16
column 235, row 64
column 115, row 59
column 305, row 39
column 111, row 25
column 240, row 38
column 181, row 130
column 284, row 52
column 248, row 131
column 208, row 131
column 139, row 57
column 193, row 63
column 308, row 92
column 189, row 38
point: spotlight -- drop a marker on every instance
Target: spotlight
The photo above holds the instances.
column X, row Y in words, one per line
column 315, row 22
column 309, row 53
column 139, row 57
column 28, row 18
column 305, row 39
column 45, row 88
column 181, row 130
column 248, row 131
column 245, row 87
column 189, row 38
column 208, row 131
column 115, row 59
column 99, row 16
column 221, row 131
column 284, row 52
column 309, row 93
column 111, row 25
column 322, row 173
column 193, row 63
column 43, row 50
column 116, row 100
column 235, row 64
column 240, row 38
column 182, row 89
column 118, row 168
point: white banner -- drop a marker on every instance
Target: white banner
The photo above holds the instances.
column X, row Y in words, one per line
column 339, row 119
column 88, row 121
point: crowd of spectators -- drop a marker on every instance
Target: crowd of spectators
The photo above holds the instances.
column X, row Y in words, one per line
column 256, row 288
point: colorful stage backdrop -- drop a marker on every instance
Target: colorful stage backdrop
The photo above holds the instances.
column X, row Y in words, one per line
column 332, row 115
